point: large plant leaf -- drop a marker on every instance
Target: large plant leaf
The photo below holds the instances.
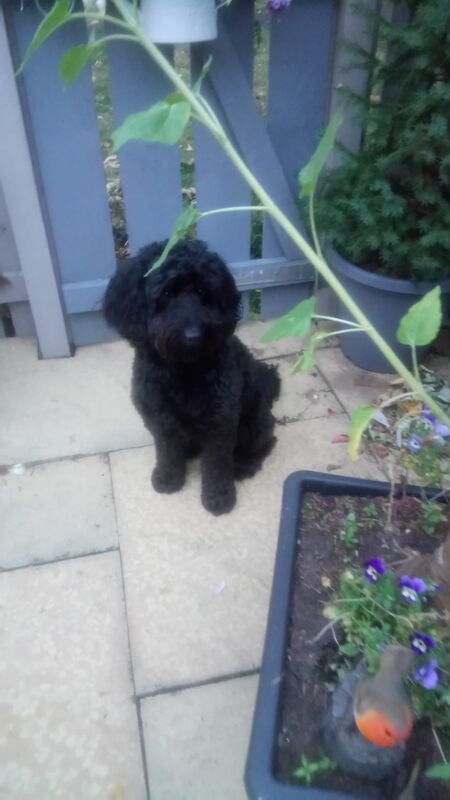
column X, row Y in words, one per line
column 163, row 122
column 439, row 771
column 185, row 221
column 358, row 424
column 296, row 322
column 422, row 322
column 58, row 15
column 309, row 175
column 307, row 359
column 74, row 60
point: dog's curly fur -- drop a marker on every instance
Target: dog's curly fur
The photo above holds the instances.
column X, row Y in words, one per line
column 196, row 386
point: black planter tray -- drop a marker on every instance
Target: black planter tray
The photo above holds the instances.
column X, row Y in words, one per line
column 260, row 780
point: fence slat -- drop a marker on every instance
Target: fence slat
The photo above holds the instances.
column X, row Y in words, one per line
column 217, row 182
column 300, row 68
column 279, row 299
column 65, row 132
column 27, row 221
column 150, row 173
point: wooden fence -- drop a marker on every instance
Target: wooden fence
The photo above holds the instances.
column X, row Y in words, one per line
column 62, row 252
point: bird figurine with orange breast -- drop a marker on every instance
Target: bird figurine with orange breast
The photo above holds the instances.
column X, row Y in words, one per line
column 381, row 706
column 369, row 718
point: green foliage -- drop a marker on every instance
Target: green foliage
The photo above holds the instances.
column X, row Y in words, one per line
column 58, row 15
column 349, row 536
column 432, row 516
column 422, row 322
column 440, row 772
column 296, row 322
column 310, row 769
column 187, row 219
column 370, row 511
column 387, row 207
column 374, row 615
column 361, row 418
column 310, row 174
column 74, row 61
column 163, row 122
column 307, row 359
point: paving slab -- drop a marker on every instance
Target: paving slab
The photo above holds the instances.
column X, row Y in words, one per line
column 197, row 586
column 68, row 722
column 353, row 386
column 304, row 396
column 68, row 406
column 55, row 510
column 197, row 740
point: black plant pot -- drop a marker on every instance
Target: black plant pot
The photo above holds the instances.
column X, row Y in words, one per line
column 384, row 301
column 260, row 779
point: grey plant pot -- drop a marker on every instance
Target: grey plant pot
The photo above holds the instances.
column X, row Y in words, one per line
column 384, row 301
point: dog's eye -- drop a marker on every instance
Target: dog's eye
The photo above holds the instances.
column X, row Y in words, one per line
column 199, row 290
column 166, row 293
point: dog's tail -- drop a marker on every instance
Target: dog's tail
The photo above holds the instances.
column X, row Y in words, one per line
column 269, row 381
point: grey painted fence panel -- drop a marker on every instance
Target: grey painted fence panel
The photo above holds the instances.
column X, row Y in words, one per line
column 65, row 133
column 217, row 182
column 150, row 173
column 26, row 218
column 300, row 69
column 250, row 132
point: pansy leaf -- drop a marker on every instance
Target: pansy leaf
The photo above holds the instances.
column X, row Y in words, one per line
column 185, row 221
column 307, row 359
column 309, row 175
column 296, row 322
column 163, row 122
column 74, row 60
column 58, row 15
column 358, row 424
column 440, row 772
column 422, row 322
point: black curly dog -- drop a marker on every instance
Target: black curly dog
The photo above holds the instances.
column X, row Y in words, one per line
column 196, row 386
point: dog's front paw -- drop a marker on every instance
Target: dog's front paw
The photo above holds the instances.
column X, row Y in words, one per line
column 167, row 480
column 219, row 500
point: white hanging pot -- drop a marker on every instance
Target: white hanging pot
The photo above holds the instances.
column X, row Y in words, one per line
column 177, row 21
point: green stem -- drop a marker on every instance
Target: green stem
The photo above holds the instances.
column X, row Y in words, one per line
column 414, row 360
column 316, row 260
column 336, row 319
column 232, row 208
column 127, row 37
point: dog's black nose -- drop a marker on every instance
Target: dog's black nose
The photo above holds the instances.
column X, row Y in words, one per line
column 192, row 334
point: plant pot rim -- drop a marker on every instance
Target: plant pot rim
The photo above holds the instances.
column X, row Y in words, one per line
column 260, row 780
column 383, row 282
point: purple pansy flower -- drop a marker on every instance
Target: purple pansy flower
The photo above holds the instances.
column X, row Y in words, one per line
column 421, row 643
column 427, row 675
column 414, row 443
column 439, row 428
column 373, row 569
column 277, row 5
column 411, row 588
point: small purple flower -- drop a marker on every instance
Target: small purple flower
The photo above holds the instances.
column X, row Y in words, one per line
column 439, row 428
column 373, row 569
column 277, row 5
column 421, row 643
column 411, row 588
column 414, row 443
column 427, row 675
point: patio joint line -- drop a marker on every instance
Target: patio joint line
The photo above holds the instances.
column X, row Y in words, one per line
column 5, row 468
column 32, row 564
column 181, row 687
column 130, row 652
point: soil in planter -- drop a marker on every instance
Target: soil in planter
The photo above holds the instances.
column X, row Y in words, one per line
column 310, row 669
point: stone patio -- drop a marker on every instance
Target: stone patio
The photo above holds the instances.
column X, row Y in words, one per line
column 132, row 623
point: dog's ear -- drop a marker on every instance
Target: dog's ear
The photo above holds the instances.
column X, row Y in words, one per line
column 125, row 302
